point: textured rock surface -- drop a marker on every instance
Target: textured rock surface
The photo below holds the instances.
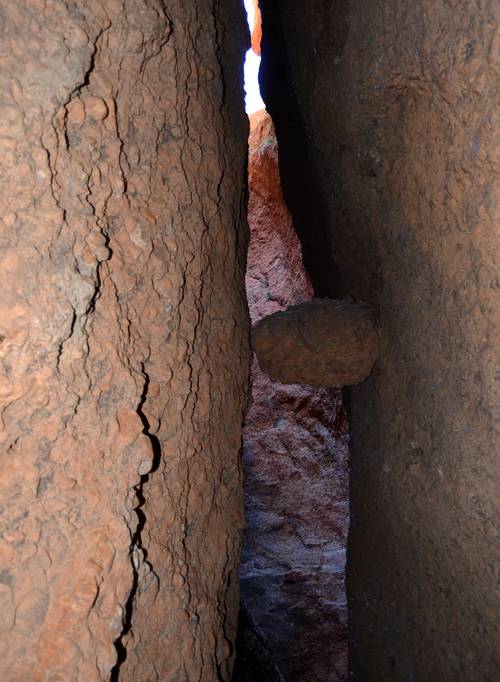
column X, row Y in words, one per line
column 389, row 150
column 295, row 463
column 123, row 353
column 321, row 343
column 275, row 276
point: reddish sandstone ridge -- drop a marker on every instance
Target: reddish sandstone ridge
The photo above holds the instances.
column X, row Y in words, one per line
column 275, row 275
column 322, row 343
column 123, row 339
column 257, row 28
column 295, row 463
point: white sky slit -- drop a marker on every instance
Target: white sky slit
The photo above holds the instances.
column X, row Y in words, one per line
column 253, row 100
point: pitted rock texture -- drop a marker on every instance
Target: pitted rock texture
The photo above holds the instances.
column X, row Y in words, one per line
column 123, row 331
column 295, row 464
column 387, row 117
column 321, row 343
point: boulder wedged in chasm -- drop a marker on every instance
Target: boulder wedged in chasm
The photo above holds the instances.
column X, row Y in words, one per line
column 295, row 461
column 123, row 338
column 320, row 342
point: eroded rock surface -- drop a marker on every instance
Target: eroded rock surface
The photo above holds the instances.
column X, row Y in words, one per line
column 321, row 343
column 295, row 464
column 123, row 338
column 387, row 116
column 275, row 276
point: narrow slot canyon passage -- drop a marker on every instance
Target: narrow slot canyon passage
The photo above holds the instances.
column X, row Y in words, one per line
column 249, row 363
column 295, row 464
column 293, row 619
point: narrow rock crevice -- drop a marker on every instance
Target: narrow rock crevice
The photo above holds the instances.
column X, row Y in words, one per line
column 142, row 569
column 295, row 455
column 125, row 341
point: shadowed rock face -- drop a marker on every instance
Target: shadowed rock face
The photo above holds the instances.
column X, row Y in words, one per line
column 123, row 338
column 321, row 343
column 254, row 659
column 387, row 118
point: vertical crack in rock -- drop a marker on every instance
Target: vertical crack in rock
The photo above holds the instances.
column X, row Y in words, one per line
column 143, row 570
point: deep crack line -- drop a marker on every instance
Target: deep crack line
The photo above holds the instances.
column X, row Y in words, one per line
column 138, row 554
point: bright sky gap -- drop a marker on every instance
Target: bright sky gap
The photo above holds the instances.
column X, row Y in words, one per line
column 253, row 100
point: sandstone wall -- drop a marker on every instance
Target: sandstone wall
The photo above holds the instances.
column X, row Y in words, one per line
column 387, row 120
column 123, row 338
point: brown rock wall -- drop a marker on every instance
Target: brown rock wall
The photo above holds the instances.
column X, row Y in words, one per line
column 387, row 117
column 123, row 332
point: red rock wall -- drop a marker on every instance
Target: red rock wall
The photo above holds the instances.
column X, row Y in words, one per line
column 295, row 462
column 387, row 121
column 123, row 332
